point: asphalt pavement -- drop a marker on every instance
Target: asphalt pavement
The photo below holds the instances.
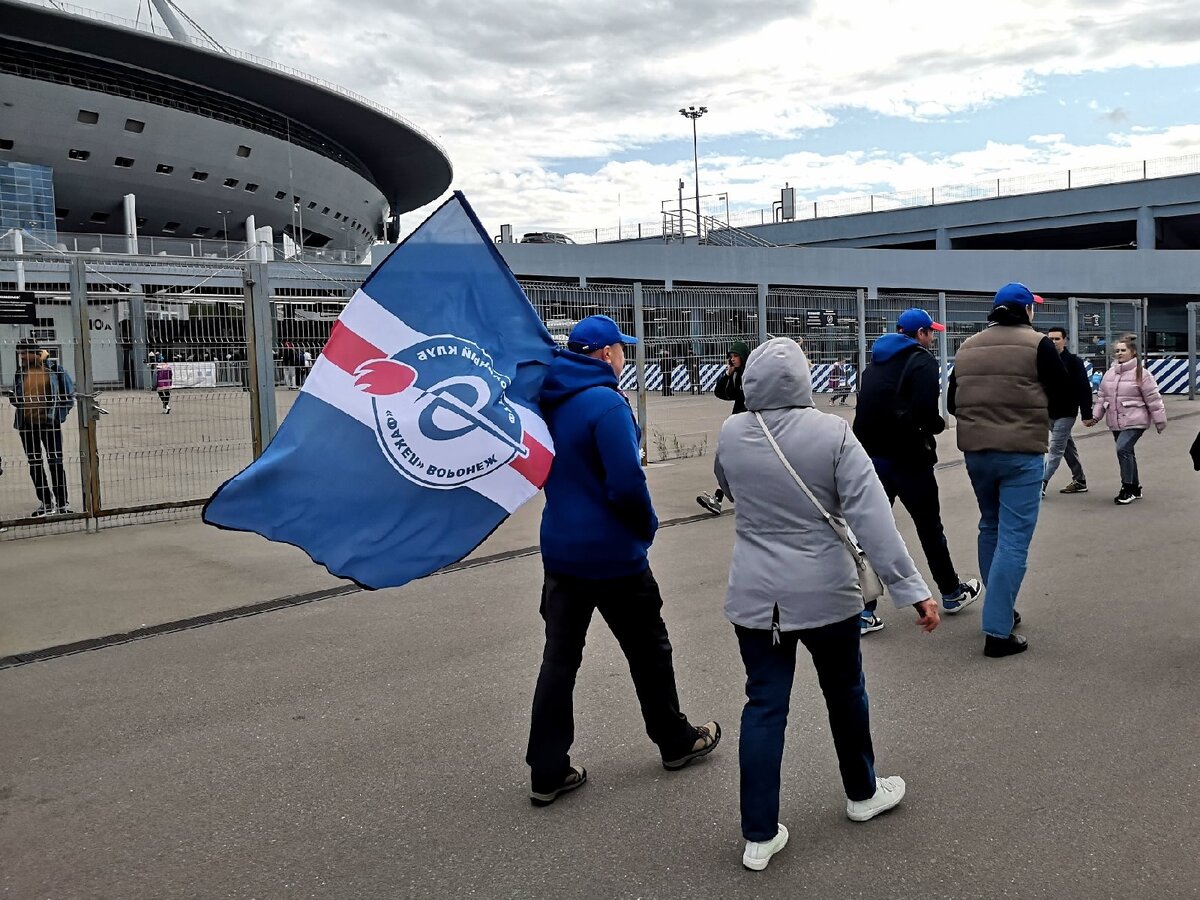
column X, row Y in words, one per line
column 372, row 744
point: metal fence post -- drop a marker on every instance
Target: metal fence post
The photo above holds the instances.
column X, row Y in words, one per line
column 138, row 349
column 861, row 295
column 1191, row 325
column 259, row 359
column 943, row 353
column 1073, row 324
column 762, row 313
column 639, row 356
column 89, row 451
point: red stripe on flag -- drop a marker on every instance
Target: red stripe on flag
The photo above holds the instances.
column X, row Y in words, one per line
column 535, row 467
column 348, row 351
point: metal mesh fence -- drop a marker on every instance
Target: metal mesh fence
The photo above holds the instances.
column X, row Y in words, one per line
column 159, row 354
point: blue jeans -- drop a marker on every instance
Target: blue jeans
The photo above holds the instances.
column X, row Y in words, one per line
column 770, row 670
column 1008, row 488
column 1125, row 458
column 1062, row 446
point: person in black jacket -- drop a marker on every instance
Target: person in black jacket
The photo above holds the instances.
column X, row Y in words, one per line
column 1062, row 418
column 728, row 387
column 896, row 420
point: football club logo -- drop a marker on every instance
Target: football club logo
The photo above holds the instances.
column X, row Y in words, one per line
column 441, row 417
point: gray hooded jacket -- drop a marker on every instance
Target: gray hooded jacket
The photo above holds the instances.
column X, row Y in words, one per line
column 785, row 554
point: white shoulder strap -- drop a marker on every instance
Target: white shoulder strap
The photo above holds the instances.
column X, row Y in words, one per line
column 787, row 465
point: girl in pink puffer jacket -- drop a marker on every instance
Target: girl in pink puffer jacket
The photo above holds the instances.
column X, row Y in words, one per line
column 1128, row 401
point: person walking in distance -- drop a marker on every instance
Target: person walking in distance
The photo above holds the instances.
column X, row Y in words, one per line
column 163, row 381
column 1129, row 401
column 1062, row 418
column 1006, row 379
column 43, row 394
column 597, row 528
column 792, row 582
column 839, row 382
column 728, row 387
column 897, row 418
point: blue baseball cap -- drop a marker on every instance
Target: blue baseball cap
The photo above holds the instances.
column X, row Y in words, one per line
column 1015, row 292
column 594, row 333
column 913, row 320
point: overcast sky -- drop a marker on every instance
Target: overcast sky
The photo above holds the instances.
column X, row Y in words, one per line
column 551, row 110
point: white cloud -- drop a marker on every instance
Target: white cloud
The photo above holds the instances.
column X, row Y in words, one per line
column 546, row 108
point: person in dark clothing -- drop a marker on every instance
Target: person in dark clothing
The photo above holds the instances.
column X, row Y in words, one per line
column 1006, row 380
column 597, row 527
column 1062, row 418
column 896, row 420
column 44, row 395
column 728, row 387
column 666, row 366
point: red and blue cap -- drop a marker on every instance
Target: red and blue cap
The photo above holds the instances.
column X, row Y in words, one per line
column 595, row 333
column 913, row 320
column 1015, row 292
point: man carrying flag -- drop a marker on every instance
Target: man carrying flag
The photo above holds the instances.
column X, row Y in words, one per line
column 596, row 530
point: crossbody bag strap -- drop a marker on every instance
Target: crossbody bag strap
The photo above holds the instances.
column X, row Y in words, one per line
column 854, row 551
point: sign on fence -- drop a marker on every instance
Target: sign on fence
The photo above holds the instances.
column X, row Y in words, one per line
column 17, row 308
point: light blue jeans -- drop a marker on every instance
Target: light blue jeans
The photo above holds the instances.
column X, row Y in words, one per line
column 1008, row 488
column 1062, row 446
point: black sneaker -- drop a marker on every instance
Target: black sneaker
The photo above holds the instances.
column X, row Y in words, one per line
column 709, row 502
column 995, row 646
column 575, row 778
column 708, row 736
column 1125, row 497
column 1016, row 618
column 1135, row 491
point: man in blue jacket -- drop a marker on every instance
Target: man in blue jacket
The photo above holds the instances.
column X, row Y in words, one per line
column 897, row 419
column 43, row 394
column 596, row 531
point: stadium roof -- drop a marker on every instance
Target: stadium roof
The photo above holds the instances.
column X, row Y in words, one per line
column 408, row 166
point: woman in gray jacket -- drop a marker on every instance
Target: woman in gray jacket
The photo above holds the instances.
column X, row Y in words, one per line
column 792, row 581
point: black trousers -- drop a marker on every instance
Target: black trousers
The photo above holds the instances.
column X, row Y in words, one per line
column 632, row 608
column 917, row 489
column 45, row 439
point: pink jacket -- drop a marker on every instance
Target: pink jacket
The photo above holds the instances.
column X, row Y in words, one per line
column 1125, row 404
column 162, row 378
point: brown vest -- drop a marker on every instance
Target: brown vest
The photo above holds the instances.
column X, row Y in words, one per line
column 999, row 402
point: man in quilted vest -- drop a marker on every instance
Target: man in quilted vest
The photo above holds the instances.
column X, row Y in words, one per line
column 1006, row 378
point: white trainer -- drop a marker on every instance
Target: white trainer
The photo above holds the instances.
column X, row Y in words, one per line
column 889, row 792
column 759, row 853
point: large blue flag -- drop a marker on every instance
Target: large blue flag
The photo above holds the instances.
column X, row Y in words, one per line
column 417, row 432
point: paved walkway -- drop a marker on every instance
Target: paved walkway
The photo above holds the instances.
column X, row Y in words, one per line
column 371, row 744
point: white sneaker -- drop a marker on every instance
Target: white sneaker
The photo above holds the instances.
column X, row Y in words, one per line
column 44, row 510
column 65, row 510
column 889, row 792
column 759, row 853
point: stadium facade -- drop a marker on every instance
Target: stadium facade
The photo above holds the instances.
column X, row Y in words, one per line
column 200, row 138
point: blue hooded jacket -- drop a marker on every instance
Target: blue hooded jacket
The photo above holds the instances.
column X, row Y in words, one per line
column 599, row 521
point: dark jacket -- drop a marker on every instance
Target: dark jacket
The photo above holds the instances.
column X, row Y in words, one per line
column 729, row 385
column 1005, row 380
column 599, row 521
column 898, row 414
column 1078, row 402
column 62, row 395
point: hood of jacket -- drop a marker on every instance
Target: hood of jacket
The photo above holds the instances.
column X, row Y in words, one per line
column 890, row 345
column 571, row 373
column 777, row 376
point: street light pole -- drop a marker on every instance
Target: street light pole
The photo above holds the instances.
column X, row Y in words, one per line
column 693, row 113
column 225, row 228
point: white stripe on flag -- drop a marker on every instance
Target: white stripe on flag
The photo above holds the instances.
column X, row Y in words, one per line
column 372, row 322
